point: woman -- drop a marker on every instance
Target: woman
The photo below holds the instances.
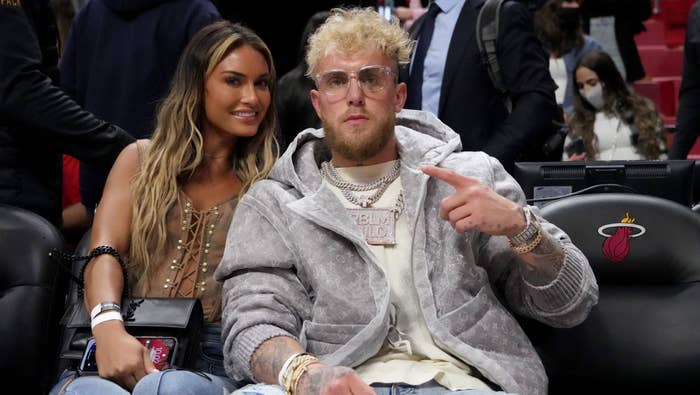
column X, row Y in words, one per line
column 168, row 204
column 611, row 121
column 558, row 26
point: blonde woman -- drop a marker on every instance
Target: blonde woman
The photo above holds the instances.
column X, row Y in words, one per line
column 168, row 203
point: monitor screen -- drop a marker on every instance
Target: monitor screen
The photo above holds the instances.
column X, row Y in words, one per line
column 542, row 182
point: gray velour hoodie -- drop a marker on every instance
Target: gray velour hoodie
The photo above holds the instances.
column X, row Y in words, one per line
column 296, row 265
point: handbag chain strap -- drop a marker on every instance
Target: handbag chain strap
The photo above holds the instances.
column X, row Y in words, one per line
column 128, row 312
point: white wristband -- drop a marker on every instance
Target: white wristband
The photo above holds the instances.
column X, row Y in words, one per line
column 285, row 367
column 108, row 316
column 104, row 306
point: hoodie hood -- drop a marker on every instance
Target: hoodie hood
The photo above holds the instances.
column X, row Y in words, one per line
column 422, row 139
column 125, row 6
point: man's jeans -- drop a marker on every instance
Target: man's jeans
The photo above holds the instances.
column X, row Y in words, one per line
column 429, row 388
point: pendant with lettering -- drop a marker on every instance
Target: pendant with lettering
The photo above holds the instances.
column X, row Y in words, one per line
column 378, row 225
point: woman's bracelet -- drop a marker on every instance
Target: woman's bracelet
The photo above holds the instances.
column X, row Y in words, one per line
column 108, row 316
column 101, row 250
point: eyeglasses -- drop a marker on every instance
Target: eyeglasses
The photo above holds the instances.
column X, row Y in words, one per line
column 372, row 80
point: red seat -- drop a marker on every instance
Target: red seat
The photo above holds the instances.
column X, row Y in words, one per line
column 660, row 61
column 659, row 92
column 654, row 34
column 669, row 87
column 695, row 151
column 675, row 17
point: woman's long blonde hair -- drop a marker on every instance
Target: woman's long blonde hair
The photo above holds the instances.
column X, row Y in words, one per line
column 175, row 151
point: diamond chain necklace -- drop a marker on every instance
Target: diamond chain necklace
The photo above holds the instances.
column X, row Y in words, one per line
column 347, row 188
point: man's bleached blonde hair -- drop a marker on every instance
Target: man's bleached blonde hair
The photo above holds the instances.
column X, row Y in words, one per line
column 348, row 31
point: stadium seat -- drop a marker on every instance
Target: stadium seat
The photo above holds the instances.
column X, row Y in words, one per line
column 642, row 336
column 654, row 34
column 674, row 14
column 660, row 61
column 32, row 292
column 661, row 92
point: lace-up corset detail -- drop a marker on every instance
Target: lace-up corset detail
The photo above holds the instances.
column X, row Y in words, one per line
column 195, row 245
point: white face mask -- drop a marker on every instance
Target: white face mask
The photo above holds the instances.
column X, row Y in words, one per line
column 594, row 96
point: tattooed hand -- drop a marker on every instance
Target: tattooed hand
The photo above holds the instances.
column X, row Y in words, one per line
column 475, row 206
column 331, row 380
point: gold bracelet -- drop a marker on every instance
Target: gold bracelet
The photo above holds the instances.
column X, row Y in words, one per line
column 290, row 376
column 529, row 246
column 300, row 372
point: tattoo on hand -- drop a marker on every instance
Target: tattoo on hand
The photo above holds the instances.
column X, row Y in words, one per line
column 546, row 260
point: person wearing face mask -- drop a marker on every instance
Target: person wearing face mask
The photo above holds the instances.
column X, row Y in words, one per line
column 609, row 121
column 558, row 26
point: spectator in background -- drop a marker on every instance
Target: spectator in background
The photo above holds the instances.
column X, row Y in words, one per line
column 293, row 104
column 558, row 26
column 614, row 24
column 408, row 14
column 75, row 217
column 609, row 120
column 118, row 62
column 453, row 83
column 38, row 121
column 688, row 117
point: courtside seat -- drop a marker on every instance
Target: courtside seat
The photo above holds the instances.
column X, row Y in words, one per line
column 643, row 336
column 32, row 292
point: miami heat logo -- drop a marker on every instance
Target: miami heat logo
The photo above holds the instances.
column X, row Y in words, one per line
column 617, row 245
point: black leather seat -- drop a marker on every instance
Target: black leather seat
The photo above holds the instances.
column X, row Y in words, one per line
column 644, row 334
column 71, row 350
column 32, row 293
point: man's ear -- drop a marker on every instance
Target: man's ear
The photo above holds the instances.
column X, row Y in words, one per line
column 314, row 95
column 401, row 92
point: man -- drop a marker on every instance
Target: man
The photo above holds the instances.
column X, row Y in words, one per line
column 380, row 247
column 38, row 121
column 688, row 125
column 455, row 84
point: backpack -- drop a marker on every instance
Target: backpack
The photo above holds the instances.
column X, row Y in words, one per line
column 487, row 39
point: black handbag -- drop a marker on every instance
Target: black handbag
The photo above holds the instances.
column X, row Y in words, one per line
column 181, row 318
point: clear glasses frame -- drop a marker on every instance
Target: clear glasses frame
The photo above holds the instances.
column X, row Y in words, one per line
column 373, row 80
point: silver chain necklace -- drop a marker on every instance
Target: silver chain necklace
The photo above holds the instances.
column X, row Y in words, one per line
column 347, row 188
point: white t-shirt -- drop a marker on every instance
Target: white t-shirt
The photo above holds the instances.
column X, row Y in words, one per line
column 557, row 69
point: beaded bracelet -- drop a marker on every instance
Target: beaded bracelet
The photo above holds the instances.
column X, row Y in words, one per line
column 97, row 251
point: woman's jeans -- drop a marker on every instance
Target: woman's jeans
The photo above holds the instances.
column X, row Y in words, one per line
column 208, row 377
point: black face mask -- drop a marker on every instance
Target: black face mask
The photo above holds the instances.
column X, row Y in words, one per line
column 569, row 18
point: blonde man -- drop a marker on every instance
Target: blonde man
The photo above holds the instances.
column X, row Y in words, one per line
column 371, row 259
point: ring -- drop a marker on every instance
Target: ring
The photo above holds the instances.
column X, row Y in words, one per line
column 642, row 230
